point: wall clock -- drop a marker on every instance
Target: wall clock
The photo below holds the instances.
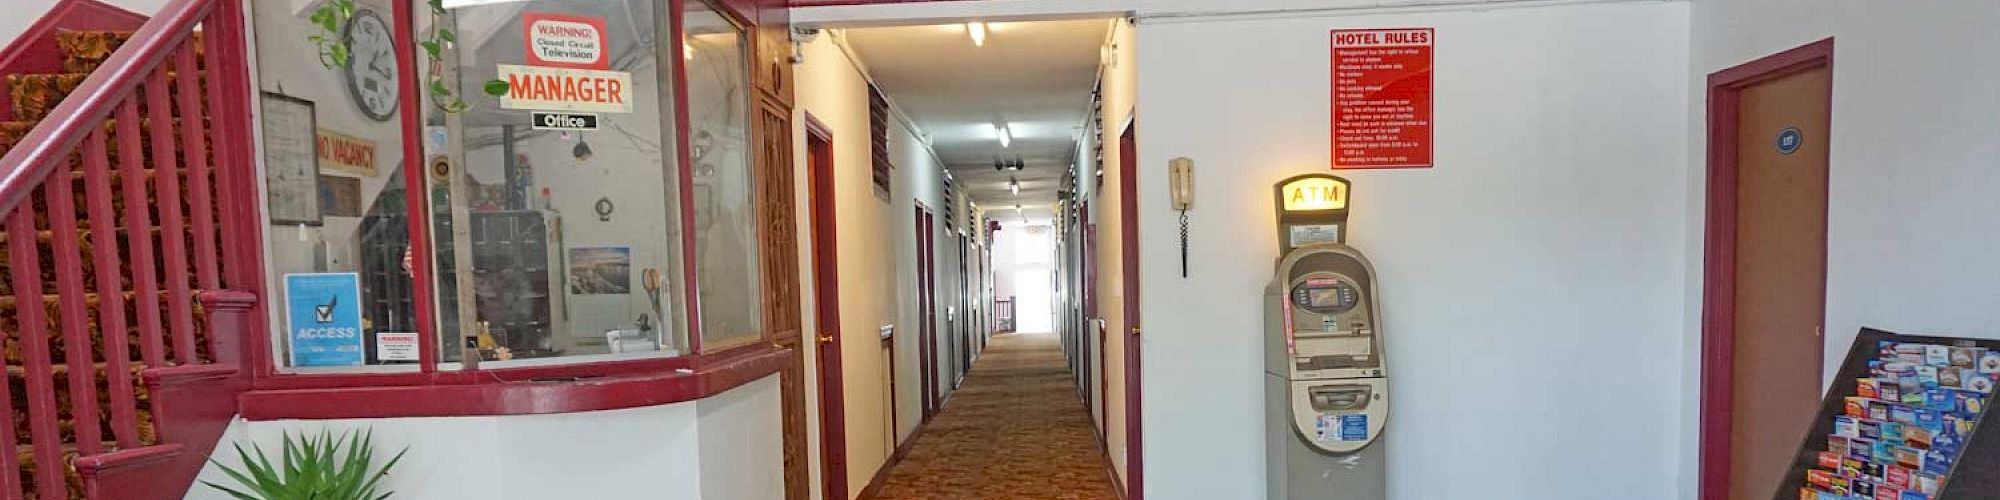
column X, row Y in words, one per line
column 371, row 65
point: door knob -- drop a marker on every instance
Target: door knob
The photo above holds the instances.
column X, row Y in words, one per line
column 826, row 338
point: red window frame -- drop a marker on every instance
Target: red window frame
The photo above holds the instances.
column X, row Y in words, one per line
column 555, row 388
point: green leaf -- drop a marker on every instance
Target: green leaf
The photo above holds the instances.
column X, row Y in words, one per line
column 497, row 87
column 340, row 54
column 432, row 47
column 447, row 35
column 438, row 88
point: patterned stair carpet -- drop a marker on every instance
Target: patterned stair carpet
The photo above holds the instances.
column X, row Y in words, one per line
column 1015, row 429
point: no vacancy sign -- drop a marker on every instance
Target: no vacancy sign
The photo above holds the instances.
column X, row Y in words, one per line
column 1382, row 98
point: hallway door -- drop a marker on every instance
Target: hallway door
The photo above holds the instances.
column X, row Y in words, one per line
column 927, row 310
column 1766, row 286
column 1128, row 209
column 826, row 298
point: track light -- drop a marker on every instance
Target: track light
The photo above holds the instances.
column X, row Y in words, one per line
column 977, row 30
column 1006, row 136
column 1014, row 185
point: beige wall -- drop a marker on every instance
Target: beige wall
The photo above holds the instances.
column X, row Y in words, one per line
column 1120, row 90
column 877, row 260
column 833, row 92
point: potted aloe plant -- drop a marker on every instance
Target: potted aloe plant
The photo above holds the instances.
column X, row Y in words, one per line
column 322, row 467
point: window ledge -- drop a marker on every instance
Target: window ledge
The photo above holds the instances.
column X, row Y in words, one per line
column 709, row 376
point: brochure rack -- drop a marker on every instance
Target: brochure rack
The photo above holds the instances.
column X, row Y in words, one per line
column 1973, row 475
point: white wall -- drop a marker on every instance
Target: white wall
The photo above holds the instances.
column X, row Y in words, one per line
column 742, row 454
column 1910, row 217
column 22, row 13
column 726, row 446
column 1532, row 281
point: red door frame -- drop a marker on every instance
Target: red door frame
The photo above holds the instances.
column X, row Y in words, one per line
column 1718, row 320
column 826, row 311
column 1128, row 227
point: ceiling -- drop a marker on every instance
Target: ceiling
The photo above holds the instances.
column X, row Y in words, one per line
column 1036, row 77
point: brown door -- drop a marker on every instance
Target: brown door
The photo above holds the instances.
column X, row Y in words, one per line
column 1128, row 209
column 926, row 313
column 826, row 297
column 1773, row 228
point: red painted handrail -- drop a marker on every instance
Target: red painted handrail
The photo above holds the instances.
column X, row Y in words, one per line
column 49, row 145
column 105, row 298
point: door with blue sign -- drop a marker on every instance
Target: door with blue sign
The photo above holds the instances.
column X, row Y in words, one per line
column 323, row 319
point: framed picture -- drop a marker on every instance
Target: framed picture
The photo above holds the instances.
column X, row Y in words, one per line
column 291, row 161
column 339, row 196
column 600, row 270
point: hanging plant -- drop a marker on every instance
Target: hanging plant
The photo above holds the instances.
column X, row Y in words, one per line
column 334, row 52
column 435, row 42
column 329, row 18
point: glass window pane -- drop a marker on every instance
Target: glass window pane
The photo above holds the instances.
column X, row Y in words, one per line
column 725, row 213
column 557, row 221
column 335, row 204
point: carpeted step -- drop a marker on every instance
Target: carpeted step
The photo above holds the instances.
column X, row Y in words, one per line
column 84, row 50
column 35, row 95
column 65, row 404
column 58, row 346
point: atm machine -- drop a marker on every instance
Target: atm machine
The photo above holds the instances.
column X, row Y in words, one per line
column 1326, row 389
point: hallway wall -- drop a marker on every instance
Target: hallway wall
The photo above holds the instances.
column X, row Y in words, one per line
column 877, row 255
column 1910, row 222
column 835, row 93
column 1120, row 80
column 1532, row 280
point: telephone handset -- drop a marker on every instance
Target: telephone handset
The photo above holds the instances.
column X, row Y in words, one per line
column 1180, row 180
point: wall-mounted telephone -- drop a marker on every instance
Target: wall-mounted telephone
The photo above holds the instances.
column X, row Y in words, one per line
column 1180, row 180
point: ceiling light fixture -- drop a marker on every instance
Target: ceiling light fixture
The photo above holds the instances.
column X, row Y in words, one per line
column 977, row 30
column 1006, row 136
column 1014, row 185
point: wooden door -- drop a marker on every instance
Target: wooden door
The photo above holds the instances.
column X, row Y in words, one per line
column 1128, row 210
column 826, row 297
column 926, row 312
column 1766, row 273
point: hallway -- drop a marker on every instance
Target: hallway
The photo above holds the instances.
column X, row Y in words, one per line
column 1014, row 430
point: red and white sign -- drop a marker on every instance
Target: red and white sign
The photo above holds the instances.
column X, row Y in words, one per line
column 557, row 89
column 393, row 346
column 565, row 41
column 1382, row 89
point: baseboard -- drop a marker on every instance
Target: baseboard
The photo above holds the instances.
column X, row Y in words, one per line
column 882, row 474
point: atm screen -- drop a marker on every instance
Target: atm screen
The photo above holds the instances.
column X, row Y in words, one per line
column 1325, row 297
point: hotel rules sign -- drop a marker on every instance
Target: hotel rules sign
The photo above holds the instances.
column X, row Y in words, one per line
column 1382, row 98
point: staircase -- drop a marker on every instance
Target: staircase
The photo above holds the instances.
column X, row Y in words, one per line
column 125, row 296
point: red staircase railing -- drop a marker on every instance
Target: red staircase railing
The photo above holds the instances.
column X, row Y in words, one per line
column 163, row 128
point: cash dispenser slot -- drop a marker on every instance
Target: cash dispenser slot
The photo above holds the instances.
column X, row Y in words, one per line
column 1340, row 398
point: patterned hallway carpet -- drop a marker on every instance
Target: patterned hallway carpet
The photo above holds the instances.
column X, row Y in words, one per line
column 1014, row 430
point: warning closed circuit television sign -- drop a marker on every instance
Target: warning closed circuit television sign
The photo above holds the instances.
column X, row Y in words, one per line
column 1382, row 88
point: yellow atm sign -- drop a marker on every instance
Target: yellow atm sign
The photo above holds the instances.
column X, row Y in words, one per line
column 1313, row 194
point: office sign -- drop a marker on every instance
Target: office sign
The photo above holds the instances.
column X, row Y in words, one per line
column 565, row 41
column 1382, row 89
column 323, row 319
column 549, row 120
column 564, row 89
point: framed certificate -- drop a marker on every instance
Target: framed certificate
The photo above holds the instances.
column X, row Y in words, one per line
column 290, row 161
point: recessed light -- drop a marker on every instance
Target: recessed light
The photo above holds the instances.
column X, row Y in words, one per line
column 977, row 30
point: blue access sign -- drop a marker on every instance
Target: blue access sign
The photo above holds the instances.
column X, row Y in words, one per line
column 323, row 318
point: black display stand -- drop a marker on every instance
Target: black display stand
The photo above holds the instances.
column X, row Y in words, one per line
column 1976, row 474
